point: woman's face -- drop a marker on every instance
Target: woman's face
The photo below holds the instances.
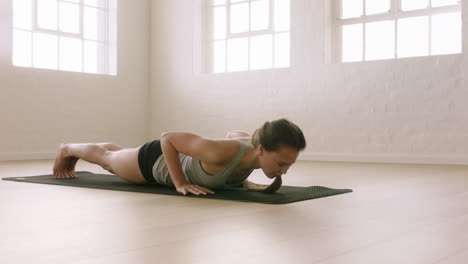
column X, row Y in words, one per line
column 277, row 163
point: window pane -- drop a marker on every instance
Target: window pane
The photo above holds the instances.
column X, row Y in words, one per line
column 237, row 1
column 90, row 56
column 219, row 22
column 437, row 3
column 218, row 2
column 22, row 14
column 94, row 57
column 352, row 43
column 238, row 50
column 43, row 48
column 261, row 52
column 446, row 33
column 111, row 67
column 22, row 44
column 71, row 54
column 351, row 8
column 219, row 56
column 94, row 24
column 282, row 50
column 259, row 14
column 45, row 51
column 282, row 15
column 380, row 40
column 69, row 18
column 47, row 14
column 377, row 6
column 413, row 37
column 95, row 3
column 414, row 4
column 240, row 18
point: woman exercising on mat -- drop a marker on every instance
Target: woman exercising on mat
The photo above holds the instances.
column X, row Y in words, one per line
column 193, row 164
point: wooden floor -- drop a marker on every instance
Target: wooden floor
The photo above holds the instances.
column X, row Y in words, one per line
column 396, row 214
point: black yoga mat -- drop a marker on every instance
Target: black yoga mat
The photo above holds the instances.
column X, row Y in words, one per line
column 286, row 194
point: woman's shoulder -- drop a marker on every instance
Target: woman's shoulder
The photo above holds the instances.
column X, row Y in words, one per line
column 229, row 147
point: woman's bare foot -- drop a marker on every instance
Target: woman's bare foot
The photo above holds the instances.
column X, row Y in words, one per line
column 64, row 166
column 71, row 166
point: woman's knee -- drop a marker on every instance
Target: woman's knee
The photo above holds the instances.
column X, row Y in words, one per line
column 107, row 162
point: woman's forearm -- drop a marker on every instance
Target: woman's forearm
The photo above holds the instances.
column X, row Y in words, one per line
column 273, row 187
column 172, row 160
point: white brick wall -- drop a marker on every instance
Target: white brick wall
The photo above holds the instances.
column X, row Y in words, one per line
column 39, row 109
column 406, row 110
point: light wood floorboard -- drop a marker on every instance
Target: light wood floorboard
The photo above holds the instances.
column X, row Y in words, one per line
column 397, row 214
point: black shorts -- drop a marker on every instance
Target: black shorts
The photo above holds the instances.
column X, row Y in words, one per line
column 147, row 156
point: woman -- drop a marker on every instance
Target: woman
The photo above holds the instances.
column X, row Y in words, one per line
column 194, row 164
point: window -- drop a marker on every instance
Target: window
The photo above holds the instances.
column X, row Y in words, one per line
column 367, row 30
column 245, row 35
column 68, row 35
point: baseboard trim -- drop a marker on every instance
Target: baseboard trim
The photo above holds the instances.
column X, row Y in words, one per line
column 27, row 156
column 386, row 158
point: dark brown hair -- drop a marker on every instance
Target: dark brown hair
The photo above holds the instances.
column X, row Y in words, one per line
column 281, row 132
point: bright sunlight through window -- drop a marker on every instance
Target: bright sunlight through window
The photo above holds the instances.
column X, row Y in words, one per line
column 385, row 29
column 245, row 35
column 67, row 35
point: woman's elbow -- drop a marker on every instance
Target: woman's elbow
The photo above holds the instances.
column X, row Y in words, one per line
column 165, row 136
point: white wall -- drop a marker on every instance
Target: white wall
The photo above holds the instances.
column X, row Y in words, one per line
column 39, row 108
column 405, row 110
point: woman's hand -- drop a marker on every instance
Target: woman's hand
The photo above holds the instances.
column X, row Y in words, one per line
column 193, row 189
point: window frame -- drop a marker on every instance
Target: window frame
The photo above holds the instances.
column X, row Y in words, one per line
column 394, row 14
column 209, row 39
column 103, row 65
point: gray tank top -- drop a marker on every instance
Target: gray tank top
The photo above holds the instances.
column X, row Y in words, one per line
column 194, row 172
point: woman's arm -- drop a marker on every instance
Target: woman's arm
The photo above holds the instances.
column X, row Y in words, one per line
column 207, row 150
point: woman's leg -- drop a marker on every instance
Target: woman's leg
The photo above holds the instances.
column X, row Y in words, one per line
column 73, row 160
column 113, row 158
